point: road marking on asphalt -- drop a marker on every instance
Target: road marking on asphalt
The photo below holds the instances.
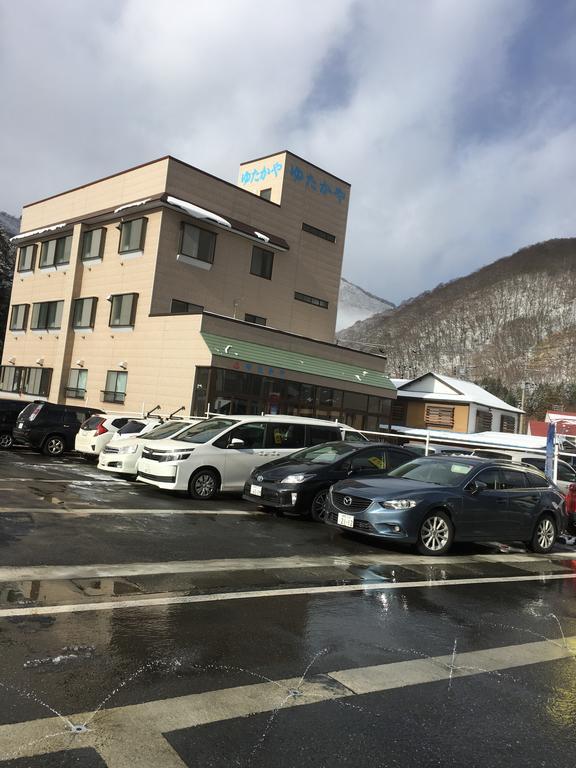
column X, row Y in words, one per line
column 233, row 565
column 147, row 602
column 133, row 734
column 81, row 511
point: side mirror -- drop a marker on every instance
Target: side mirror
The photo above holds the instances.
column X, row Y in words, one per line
column 476, row 486
column 347, row 468
column 236, row 442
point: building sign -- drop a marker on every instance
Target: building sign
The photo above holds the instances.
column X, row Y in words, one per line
column 316, row 185
column 261, row 370
column 260, row 174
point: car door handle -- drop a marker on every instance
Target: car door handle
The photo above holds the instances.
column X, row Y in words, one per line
column 502, row 500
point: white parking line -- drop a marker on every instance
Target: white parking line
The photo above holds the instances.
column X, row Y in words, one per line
column 81, row 511
column 132, row 735
column 147, row 602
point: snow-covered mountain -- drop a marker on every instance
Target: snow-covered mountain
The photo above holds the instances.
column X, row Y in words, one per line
column 10, row 224
column 354, row 304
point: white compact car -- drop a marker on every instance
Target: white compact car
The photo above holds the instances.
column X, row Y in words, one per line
column 123, row 451
column 220, row 453
column 96, row 432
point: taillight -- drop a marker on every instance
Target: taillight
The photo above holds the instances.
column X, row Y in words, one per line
column 101, row 429
column 571, row 498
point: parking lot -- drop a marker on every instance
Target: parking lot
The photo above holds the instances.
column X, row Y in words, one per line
column 140, row 628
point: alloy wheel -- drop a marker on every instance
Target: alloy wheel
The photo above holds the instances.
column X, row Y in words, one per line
column 319, row 506
column 545, row 533
column 205, row 485
column 5, row 441
column 54, row 446
column 435, row 533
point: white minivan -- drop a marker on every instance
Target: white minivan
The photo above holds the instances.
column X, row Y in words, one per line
column 220, row 453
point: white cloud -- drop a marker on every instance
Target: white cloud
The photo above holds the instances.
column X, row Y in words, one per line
column 453, row 162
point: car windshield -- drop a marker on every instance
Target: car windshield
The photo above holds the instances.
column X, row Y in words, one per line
column 131, row 428
column 206, row 430
column 165, row 430
column 430, row 471
column 321, row 454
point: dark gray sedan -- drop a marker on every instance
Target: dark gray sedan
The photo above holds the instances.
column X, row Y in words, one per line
column 434, row 501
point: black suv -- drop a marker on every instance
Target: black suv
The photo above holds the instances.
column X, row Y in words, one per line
column 9, row 410
column 50, row 427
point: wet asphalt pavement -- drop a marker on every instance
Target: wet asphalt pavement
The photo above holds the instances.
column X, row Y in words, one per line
column 139, row 628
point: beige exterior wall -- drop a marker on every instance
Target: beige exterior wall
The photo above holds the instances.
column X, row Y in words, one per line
column 161, row 353
column 416, row 410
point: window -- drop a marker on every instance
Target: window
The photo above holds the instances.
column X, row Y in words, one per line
column 132, row 235
column 266, row 193
column 256, row 319
column 262, row 262
column 536, row 481
column 318, row 233
column 26, row 258
column 123, row 310
column 184, row 307
column 439, row 416
column 398, row 412
column 77, row 379
column 93, row 244
column 512, row 478
column 483, row 421
column 19, row 317
column 251, row 434
column 197, row 243
column 285, row 436
column 317, row 435
column 491, row 477
column 507, row 424
column 374, row 460
column 30, row 381
column 311, row 300
column 55, row 253
column 115, row 391
column 84, row 313
column 47, row 315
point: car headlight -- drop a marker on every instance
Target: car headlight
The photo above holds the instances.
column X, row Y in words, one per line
column 295, row 479
column 175, row 456
column 398, row 504
column 128, row 449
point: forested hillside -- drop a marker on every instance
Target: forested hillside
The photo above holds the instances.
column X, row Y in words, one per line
column 513, row 321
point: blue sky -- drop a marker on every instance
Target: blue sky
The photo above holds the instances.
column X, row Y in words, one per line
column 454, row 120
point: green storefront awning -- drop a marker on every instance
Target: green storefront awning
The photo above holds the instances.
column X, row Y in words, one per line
column 281, row 359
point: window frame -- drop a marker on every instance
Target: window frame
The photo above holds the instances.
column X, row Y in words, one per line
column 196, row 257
column 142, row 240
column 100, row 255
column 47, row 326
column 24, row 327
column 507, row 424
column 132, row 321
column 199, row 311
column 24, row 248
column 80, row 392
column 266, row 258
column 255, row 320
column 312, row 300
column 94, row 300
column 56, row 261
column 317, row 232
column 114, row 395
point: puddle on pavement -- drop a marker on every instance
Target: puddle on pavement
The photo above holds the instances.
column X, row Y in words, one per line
column 26, row 594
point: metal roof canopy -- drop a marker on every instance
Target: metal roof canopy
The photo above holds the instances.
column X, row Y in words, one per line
column 250, row 352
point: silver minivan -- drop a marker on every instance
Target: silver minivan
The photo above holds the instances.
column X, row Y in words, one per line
column 220, row 453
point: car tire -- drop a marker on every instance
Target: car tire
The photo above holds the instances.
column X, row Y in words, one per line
column 436, row 534
column 318, row 506
column 544, row 536
column 204, row 484
column 54, row 445
column 6, row 440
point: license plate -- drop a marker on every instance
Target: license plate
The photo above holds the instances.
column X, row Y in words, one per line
column 347, row 520
column 255, row 490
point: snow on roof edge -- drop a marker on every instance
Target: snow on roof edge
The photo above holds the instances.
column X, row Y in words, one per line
column 197, row 212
